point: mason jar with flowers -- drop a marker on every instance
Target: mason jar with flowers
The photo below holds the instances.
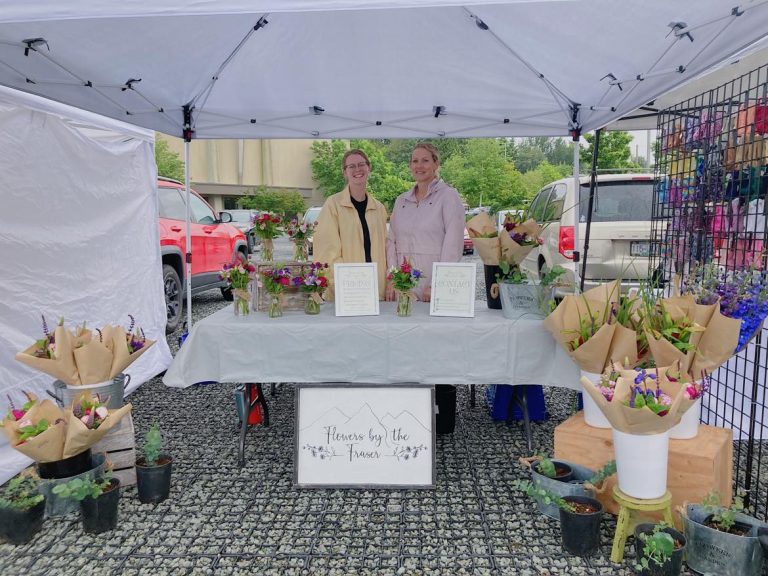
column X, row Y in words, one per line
column 299, row 233
column 313, row 283
column 404, row 279
column 238, row 275
column 267, row 226
column 274, row 281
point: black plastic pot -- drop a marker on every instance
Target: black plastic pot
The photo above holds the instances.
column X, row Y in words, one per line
column 564, row 473
column 490, row 279
column 581, row 532
column 154, row 482
column 673, row 565
column 445, row 398
column 71, row 466
column 100, row 514
column 18, row 526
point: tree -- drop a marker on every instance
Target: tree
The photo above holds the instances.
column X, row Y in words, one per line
column 286, row 203
column 169, row 163
column 613, row 153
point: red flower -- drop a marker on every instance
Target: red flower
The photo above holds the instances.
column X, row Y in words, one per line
column 405, row 267
column 284, row 281
column 322, row 281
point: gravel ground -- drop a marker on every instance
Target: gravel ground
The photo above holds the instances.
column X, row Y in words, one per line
column 221, row 519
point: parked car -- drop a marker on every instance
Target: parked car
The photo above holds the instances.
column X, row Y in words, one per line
column 242, row 219
column 214, row 243
column 469, row 246
column 310, row 217
column 619, row 243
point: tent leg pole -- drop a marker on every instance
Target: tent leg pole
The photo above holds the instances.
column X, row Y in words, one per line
column 578, row 283
column 590, row 205
column 188, row 256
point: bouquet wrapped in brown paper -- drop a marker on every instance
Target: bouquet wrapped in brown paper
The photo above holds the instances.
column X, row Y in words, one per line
column 585, row 327
column 643, row 402
column 93, row 357
column 127, row 347
column 88, row 420
column 37, row 430
column 485, row 238
column 512, row 245
column 53, row 354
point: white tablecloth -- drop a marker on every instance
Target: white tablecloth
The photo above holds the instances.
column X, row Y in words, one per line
column 384, row 349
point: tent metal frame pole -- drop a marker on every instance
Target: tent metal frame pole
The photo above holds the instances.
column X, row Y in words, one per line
column 577, row 281
column 590, row 205
column 188, row 255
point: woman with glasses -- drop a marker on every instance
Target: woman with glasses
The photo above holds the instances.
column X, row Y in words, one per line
column 352, row 226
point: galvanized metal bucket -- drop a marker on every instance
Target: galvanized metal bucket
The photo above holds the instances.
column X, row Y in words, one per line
column 573, row 488
column 711, row 551
column 519, row 300
column 114, row 389
column 57, row 506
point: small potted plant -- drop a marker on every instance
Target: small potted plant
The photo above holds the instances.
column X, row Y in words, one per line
column 22, row 510
column 99, row 499
column 580, row 518
column 660, row 549
column 722, row 540
column 555, row 469
column 153, row 470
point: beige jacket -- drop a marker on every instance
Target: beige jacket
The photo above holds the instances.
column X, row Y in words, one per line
column 338, row 236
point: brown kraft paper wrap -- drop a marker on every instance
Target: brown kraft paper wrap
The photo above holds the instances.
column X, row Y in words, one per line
column 47, row 446
column 485, row 238
column 716, row 345
column 79, row 437
column 61, row 366
column 640, row 421
column 513, row 252
column 94, row 361
column 121, row 358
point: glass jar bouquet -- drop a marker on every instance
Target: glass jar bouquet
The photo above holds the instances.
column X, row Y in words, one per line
column 274, row 281
column 238, row 274
column 404, row 279
column 313, row 282
column 299, row 233
column 267, row 226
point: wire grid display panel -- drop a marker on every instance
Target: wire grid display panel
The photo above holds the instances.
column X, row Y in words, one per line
column 710, row 209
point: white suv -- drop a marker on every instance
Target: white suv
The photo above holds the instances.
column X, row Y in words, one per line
column 619, row 243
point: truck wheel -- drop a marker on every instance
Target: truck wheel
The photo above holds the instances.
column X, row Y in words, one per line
column 174, row 300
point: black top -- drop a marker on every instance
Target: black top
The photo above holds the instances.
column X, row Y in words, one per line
column 360, row 206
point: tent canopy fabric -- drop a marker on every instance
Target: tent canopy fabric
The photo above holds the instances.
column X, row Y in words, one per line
column 365, row 68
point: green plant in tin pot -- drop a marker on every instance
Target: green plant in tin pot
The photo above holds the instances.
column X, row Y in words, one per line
column 99, row 499
column 153, row 470
column 22, row 509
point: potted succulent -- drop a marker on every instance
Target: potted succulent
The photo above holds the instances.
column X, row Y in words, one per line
column 153, row 470
column 99, row 499
column 722, row 540
column 660, row 549
column 22, row 509
column 580, row 518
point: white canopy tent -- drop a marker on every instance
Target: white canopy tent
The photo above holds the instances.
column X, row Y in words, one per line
column 78, row 237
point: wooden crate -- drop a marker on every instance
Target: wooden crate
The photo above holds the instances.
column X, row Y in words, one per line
column 293, row 298
column 696, row 466
column 120, row 447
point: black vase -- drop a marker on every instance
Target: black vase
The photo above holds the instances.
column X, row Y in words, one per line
column 153, row 482
column 673, row 565
column 67, row 467
column 581, row 532
column 445, row 398
column 18, row 526
column 490, row 279
column 100, row 514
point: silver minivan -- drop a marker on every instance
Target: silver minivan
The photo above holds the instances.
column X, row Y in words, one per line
column 619, row 243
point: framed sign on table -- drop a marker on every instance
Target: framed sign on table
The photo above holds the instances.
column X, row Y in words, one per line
column 365, row 436
column 453, row 289
column 356, row 289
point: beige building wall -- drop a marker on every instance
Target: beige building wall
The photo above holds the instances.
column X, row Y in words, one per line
column 222, row 170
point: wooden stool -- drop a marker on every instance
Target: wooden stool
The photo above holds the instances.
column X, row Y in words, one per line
column 626, row 523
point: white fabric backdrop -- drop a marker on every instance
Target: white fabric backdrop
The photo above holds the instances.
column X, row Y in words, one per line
column 78, row 237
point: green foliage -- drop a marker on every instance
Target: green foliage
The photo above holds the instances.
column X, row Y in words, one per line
column 511, row 274
column 326, row 165
column 606, row 471
column 21, row 493
column 169, row 163
column 153, row 444
column 27, row 432
column 285, row 203
column 551, row 276
column 658, row 547
column 536, row 492
column 614, row 152
column 724, row 518
column 82, row 488
column 546, row 467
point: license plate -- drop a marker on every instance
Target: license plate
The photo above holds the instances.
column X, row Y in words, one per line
column 641, row 249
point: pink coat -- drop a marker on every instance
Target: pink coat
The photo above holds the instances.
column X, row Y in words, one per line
column 428, row 231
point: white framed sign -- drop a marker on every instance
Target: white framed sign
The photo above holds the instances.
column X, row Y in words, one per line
column 356, row 289
column 365, row 435
column 453, row 289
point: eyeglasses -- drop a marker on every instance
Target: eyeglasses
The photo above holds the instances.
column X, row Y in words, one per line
column 358, row 166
